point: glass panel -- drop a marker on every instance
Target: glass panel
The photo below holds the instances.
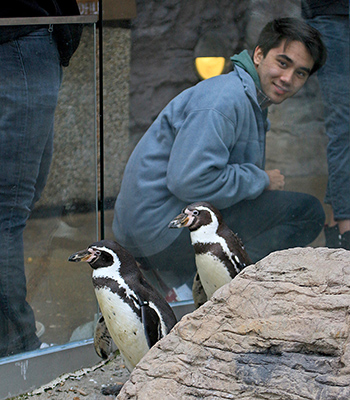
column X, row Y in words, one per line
column 64, row 220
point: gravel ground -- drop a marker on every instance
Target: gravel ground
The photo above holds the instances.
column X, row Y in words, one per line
column 83, row 384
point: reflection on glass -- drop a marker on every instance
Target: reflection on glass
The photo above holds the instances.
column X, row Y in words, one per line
column 62, row 297
column 59, row 298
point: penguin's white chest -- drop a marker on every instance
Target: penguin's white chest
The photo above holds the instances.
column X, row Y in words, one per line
column 212, row 273
column 124, row 326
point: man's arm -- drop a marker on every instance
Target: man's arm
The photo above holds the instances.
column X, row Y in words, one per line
column 199, row 166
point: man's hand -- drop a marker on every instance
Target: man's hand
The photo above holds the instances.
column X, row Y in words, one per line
column 276, row 180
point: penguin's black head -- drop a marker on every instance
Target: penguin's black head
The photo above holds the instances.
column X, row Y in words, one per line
column 99, row 254
column 196, row 215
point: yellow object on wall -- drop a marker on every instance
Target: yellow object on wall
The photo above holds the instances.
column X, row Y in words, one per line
column 207, row 67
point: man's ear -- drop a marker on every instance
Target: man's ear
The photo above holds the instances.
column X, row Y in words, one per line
column 258, row 56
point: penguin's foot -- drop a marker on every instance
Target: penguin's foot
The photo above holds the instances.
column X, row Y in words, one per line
column 111, row 390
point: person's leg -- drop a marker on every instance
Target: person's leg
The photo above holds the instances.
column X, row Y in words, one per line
column 334, row 80
column 29, row 83
column 276, row 220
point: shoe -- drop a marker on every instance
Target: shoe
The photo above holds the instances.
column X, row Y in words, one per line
column 39, row 329
column 333, row 237
column 345, row 240
column 336, row 240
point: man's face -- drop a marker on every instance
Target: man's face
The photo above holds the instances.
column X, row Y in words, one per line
column 284, row 70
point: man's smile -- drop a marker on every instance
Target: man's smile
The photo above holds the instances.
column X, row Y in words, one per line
column 280, row 89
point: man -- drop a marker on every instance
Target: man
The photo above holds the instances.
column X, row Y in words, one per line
column 209, row 144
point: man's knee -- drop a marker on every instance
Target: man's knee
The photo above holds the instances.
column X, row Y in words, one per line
column 314, row 210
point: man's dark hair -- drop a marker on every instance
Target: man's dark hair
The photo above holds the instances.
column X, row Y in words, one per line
column 293, row 29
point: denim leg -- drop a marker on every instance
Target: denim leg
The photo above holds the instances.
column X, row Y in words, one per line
column 276, row 220
column 29, row 82
column 334, row 80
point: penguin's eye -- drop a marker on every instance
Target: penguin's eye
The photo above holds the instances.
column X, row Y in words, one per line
column 195, row 212
column 97, row 252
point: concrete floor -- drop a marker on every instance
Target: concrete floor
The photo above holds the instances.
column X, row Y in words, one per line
column 61, row 292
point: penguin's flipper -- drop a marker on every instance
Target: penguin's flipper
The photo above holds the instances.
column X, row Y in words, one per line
column 151, row 323
column 103, row 342
column 198, row 293
column 236, row 246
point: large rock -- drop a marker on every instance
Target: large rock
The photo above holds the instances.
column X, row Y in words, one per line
column 279, row 330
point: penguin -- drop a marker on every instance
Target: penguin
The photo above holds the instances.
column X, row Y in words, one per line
column 219, row 253
column 134, row 313
column 198, row 293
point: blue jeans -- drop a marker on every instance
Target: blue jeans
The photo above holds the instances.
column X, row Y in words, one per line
column 30, row 77
column 275, row 220
column 334, row 80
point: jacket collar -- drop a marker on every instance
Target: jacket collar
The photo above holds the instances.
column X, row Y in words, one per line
column 244, row 61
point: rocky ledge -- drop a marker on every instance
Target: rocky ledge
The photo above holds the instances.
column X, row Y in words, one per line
column 279, row 330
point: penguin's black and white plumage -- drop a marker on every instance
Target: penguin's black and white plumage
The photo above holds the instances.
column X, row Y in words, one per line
column 134, row 313
column 219, row 253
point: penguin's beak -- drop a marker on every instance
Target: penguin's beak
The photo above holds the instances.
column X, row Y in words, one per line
column 180, row 221
column 87, row 255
